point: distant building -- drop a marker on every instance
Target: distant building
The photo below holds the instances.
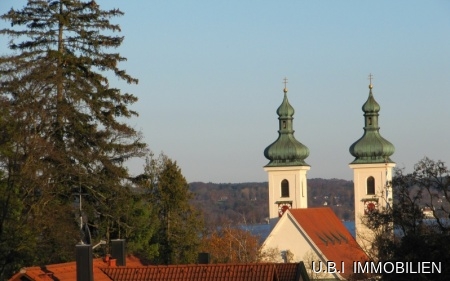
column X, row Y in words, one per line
column 427, row 212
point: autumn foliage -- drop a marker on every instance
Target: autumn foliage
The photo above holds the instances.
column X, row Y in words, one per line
column 231, row 245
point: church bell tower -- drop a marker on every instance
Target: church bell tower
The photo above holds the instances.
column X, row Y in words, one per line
column 287, row 167
column 372, row 171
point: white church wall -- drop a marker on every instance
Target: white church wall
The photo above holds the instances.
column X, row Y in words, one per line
column 298, row 194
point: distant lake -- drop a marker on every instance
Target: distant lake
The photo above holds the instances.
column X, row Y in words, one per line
column 263, row 230
column 350, row 225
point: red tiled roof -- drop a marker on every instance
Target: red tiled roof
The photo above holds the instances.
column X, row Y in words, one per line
column 288, row 271
column 331, row 237
column 207, row 272
column 135, row 271
column 67, row 271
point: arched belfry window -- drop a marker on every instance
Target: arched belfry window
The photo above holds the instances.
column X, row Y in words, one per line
column 284, row 188
column 370, row 186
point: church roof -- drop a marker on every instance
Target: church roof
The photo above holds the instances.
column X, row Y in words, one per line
column 328, row 235
column 371, row 147
column 286, row 150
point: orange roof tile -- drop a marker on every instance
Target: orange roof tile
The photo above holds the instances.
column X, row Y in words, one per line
column 135, row 271
column 204, row 272
column 331, row 237
column 288, row 271
column 67, row 271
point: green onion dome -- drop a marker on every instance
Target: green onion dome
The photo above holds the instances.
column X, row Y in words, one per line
column 371, row 105
column 286, row 150
column 285, row 109
column 371, row 147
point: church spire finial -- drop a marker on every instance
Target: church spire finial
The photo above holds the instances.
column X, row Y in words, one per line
column 285, row 81
column 370, row 81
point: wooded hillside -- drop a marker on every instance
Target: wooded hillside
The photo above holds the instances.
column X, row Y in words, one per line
column 224, row 203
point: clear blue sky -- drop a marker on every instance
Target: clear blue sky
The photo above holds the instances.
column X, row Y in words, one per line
column 210, row 79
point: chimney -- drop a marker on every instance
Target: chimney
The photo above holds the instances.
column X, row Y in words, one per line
column 84, row 262
column 118, row 251
column 203, row 258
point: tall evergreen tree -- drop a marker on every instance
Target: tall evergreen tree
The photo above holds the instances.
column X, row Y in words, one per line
column 180, row 224
column 63, row 125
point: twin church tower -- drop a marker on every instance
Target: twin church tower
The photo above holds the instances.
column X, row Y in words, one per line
column 372, row 167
